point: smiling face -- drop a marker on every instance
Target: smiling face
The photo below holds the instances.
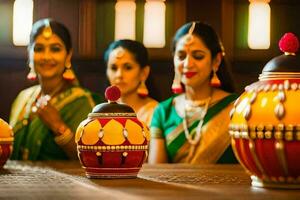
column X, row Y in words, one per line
column 193, row 61
column 124, row 72
column 49, row 56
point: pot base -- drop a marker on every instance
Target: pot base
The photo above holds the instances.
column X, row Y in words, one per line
column 257, row 182
column 111, row 173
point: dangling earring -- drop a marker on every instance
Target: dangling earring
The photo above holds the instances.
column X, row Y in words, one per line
column 215, row 81
column 68, row 74
column 31, row 75
column 142, row 90
column 176, row 85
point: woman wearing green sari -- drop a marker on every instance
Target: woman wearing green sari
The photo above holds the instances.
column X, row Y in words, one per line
column 192, row 127
column 44, row 117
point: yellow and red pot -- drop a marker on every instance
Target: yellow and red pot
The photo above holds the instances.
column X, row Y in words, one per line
column 6, row 142
column 265, row 123
column 112, row 142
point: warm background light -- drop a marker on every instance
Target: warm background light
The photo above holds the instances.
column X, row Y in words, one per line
column 154, row 24
column 22, row 21
column 125, row 19
column 259, row 24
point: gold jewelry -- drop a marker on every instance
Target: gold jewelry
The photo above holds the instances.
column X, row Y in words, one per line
column 65, row 135
column 47, row 31
column 142, row 89
column 189, row 38
column 192, row 105
column 68, row 74
column 195, row 140
column 222, row 48
column 215, row 81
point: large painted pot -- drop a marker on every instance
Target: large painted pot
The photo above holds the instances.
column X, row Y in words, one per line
column 265, row 122
column 6, row 142
column 112, row 142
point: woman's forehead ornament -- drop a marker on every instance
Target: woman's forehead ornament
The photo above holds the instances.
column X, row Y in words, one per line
column 189, row 38
column 119, row 52
column 47, row 31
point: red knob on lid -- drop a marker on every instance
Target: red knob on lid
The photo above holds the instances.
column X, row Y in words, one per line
column 289, row 43
column 112, row 93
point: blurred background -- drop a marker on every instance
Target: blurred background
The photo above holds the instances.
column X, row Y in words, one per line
column 95, row 23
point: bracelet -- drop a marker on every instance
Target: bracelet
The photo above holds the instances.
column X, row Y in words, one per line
column 156, row 133
column 65, row 135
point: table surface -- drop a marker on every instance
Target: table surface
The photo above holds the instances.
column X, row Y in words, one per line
column 67, row 180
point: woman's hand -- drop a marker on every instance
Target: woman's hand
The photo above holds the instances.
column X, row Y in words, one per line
column 50, row 116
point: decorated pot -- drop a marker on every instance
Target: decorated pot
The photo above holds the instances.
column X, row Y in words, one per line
column 265, row 121
column 112, row 142
column 6, row 142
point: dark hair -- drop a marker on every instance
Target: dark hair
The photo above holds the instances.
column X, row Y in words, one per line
column 210, row 38
column 140, row 53
column 136, row 48
column 58, row 28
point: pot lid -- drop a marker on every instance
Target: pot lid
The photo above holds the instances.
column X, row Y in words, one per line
column 112, row 94
column 289, row 61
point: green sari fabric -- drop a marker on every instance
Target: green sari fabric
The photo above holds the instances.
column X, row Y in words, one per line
column 167, row 124
column 33, row 140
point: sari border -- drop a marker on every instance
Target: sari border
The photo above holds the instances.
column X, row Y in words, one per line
column 177, row 135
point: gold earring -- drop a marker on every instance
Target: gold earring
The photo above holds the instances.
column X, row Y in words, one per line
column 215, row 81
column 68, row 74
column 142, row 90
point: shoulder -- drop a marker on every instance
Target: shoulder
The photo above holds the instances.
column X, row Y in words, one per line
column 97, row 98
column 150, row 103
column 25, row 94
column 73, row 95
column 80, row 92
column 28, row 91
column 168, row 102
column 165, row 107
column 20, row 101
column 221, row 95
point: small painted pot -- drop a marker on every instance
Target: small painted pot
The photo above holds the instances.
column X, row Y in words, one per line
column 6, row 142
column 265, row 124
column 112, row 142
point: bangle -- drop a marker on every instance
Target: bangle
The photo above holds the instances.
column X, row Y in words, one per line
column 65, row 135
column 156, row 133
column 61, row 130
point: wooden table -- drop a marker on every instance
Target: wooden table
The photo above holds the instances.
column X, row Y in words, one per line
column 66, row 180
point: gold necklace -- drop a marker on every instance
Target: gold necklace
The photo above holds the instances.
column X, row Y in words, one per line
column 195, row 140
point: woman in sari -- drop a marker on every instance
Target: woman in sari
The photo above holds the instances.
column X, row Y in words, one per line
column 45, row 116
column 192, row 127
column 128, row 68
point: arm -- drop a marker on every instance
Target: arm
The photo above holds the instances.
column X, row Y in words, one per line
column 157, row 150
column 63, row 123
column 63, row 135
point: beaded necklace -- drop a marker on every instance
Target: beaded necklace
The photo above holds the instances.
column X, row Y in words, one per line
column 188, row 107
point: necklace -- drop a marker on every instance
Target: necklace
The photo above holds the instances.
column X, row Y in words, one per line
column 194, row 140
